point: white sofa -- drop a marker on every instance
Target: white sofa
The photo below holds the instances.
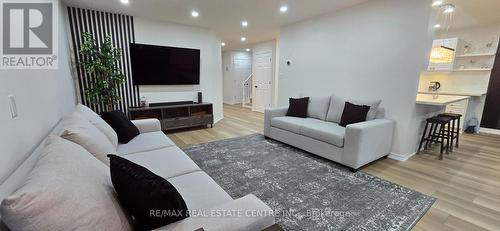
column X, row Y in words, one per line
column 155, row 151
column 320, row 133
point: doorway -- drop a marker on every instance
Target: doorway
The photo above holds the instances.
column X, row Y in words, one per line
column 237, row 67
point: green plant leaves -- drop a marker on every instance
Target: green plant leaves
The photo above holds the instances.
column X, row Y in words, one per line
column 100, row 64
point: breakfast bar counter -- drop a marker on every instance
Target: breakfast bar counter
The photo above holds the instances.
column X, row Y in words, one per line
column 459, row 93
column 439, row 100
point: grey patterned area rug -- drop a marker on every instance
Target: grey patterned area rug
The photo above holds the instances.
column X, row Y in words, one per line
column 308, row 192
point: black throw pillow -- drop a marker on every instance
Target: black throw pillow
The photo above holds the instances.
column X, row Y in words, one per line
column 151, row 200
column 123, row 127
column 298, row 107
column 353, row 114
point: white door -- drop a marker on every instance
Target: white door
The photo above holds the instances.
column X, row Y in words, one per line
column 262, row 80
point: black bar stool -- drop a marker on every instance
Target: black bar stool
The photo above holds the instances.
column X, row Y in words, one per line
column 455, row 124
column 437, row 134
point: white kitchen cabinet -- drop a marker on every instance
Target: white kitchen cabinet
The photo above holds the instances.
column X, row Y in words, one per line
column 459, row 107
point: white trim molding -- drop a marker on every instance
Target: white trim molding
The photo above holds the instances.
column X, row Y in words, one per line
column 231, row 102
column 401, row 156
column 489, row 131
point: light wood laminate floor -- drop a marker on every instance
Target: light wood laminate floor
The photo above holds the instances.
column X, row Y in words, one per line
column 466, row 183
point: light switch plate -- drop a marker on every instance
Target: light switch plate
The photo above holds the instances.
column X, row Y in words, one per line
column 13, row 106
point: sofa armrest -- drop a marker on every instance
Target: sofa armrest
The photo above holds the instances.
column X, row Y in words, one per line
column 367, row 141
column 269, row 113
column 147, row 125
column 248, row 213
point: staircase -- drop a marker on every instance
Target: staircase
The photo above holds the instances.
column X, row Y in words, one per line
column 247, row 92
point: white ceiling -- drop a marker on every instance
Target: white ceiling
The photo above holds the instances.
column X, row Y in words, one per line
column 263, row 16
column 473, row 13
column 224, row 16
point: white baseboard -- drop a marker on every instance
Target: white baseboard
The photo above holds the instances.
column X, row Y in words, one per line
column 401, row 157
column 230, row 103
column 216, row 120
column 489, row 131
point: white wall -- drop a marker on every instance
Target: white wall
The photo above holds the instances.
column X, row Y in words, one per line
column 234, row 76
column 374, row 50
column 227, row 78
column 42, row 96
column 170, row 34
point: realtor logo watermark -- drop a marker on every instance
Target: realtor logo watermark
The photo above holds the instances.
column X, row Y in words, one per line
column 29, row 34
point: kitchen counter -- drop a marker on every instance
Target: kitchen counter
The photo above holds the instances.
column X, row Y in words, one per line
column 441, row 100
column 473, row 94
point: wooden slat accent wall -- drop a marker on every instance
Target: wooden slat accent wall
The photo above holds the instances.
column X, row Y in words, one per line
column 121, row 29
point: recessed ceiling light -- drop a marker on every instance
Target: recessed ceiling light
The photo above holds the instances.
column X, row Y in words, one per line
column 195, row 14
column 243, row 39
column 448, row 8
column 437, row 26
column 437, row 2
column 222, row 43
column 244, row 24
column 248, row 49
column 284, row 9
column 124, row 1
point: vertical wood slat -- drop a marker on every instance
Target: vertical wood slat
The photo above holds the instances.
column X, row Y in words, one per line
column 101, row 24
column 132, row 36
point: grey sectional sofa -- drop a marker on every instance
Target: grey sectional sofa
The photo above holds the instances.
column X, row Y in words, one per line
column 320, row 133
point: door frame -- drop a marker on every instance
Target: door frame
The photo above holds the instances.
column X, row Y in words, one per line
column 271, row 54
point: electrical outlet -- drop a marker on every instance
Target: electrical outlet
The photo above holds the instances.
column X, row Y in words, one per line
column 13, row 106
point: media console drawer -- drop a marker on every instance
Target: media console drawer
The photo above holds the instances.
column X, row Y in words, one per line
column 175, row 123
column 201, row 120
column 176, row 115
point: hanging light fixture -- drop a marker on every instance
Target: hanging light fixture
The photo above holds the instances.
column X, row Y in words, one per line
column 445, row 15
column 437, row 2
column 442, row 54
column 448, row 8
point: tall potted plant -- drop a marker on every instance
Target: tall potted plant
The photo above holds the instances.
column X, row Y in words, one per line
column 100, row 61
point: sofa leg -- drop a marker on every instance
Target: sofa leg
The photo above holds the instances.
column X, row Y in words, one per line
column 353, row 170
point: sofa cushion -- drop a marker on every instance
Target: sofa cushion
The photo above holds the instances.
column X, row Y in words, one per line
column 318, row 107
column 67, row 189
column 155, row 193
column 292, row 124
column 328, row 132
column 98, row 122
column 79, row 130
column 353, row 114
column 199, row 190
column 256, row 215
column 165, row 162
column 145, row 142
column 337, row 104
column 298, row 107
column 124, row 128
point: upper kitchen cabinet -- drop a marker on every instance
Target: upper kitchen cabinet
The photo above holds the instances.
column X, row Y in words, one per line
column 457, row 55
column 443, row 54
column 476, row 55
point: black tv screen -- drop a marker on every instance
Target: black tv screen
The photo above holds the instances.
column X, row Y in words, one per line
column 159, row 65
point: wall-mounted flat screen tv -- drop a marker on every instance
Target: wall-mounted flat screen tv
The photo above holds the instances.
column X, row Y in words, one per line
column 160, row 65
